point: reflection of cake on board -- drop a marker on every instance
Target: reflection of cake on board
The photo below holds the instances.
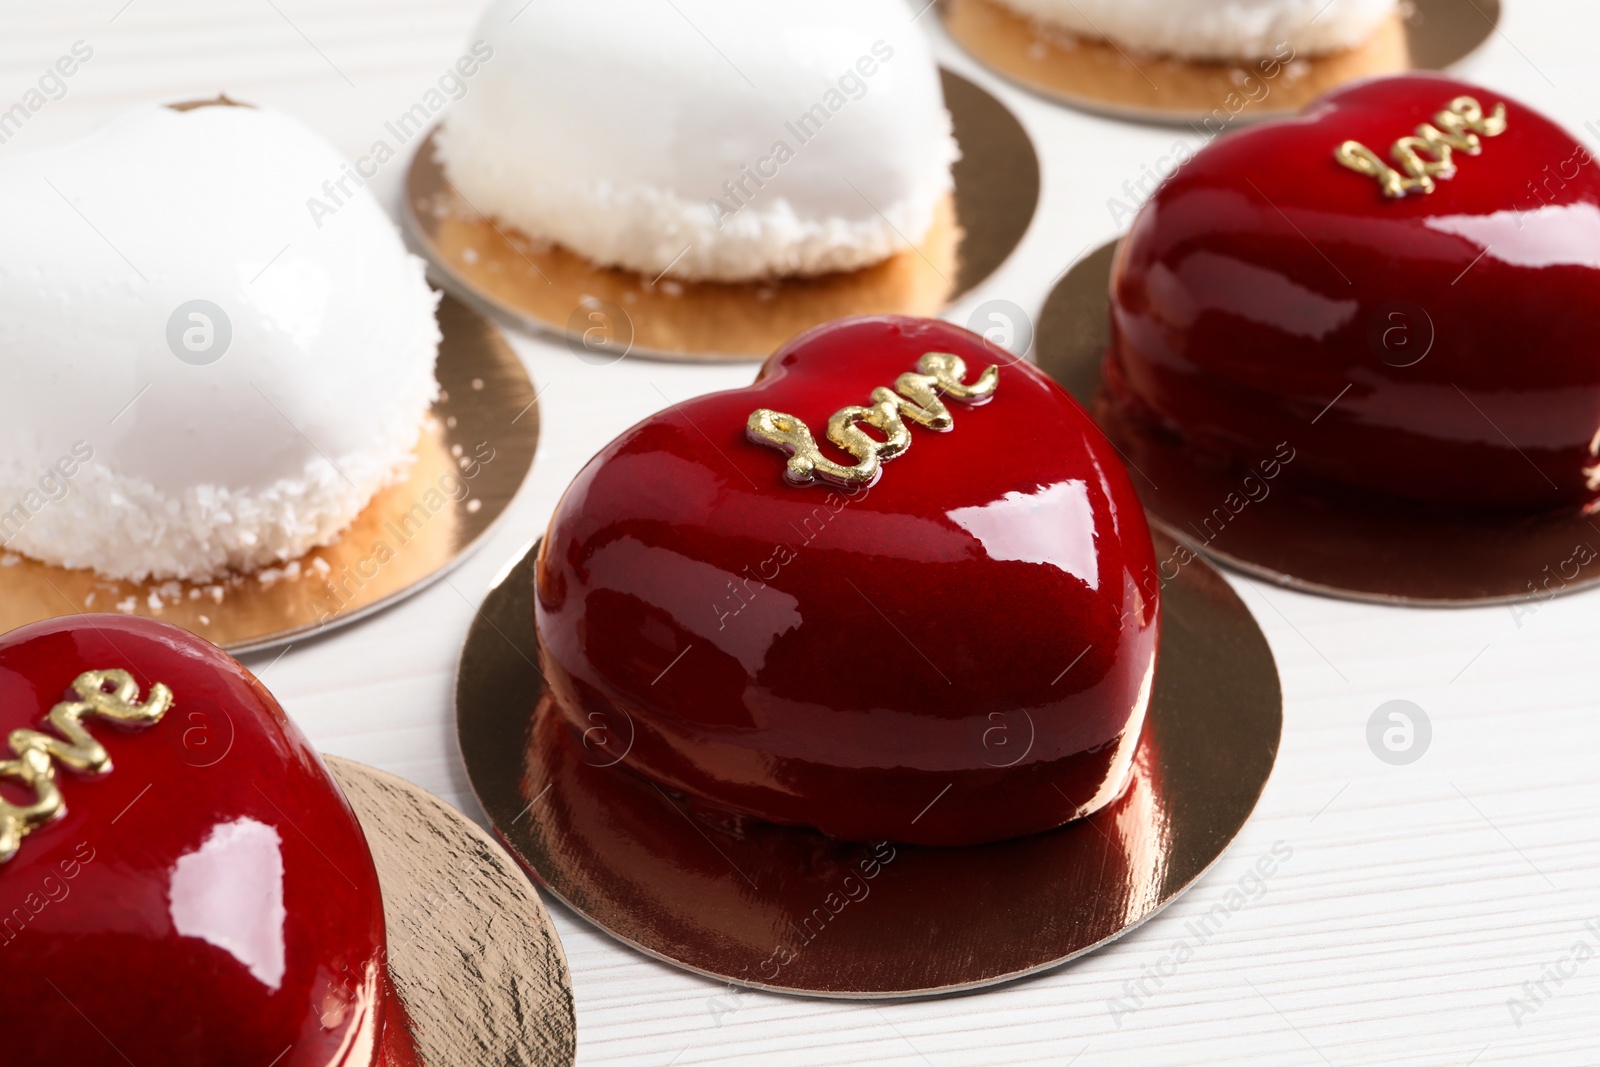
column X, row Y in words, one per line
column 203, row 377
column 1149, row 58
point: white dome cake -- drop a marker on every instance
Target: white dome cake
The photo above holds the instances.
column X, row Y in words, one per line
column 709, row 139
column 1216, row 29
column 200, row 375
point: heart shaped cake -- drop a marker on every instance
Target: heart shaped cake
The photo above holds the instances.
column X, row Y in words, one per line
column 181, row 882
column 707, row 140
column 1400, row 284
column 898, row 589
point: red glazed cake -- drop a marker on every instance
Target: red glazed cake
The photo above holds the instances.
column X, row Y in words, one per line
column 898, row 589
column 181, row 880
column 1399, row 284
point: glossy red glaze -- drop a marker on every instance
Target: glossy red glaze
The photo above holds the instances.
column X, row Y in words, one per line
column 208, row 900
column 960, row 653
column 399, row 1048
column 1264, row 278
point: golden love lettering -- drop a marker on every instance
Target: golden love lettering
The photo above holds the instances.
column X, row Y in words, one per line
column 917, row 397
column 111, row 695
column 1428, row 156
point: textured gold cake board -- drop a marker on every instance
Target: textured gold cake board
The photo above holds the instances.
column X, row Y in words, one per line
column 472, row 951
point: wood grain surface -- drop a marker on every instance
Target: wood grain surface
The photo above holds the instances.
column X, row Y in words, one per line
column 1430, row 913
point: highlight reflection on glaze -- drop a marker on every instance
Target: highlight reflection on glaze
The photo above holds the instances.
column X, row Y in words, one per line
column 229, row 892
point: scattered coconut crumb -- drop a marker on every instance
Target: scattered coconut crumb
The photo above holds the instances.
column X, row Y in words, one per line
column 215, row 592
column 10, row 559
column 474, row 506
column 289, row 571
column 477, row 385
column 672, row 288
column 469, row 255
column 320, row 565
column 450, row 422
column 205, row 620
column 88, row 601
column 456, row 450
column 194, row 594
column 154, row 602
column 129, row 606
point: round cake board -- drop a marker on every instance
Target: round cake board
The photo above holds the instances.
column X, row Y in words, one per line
column 471, row 950
column 1098, row 76
column 792, row 911
column 606, row 314
column 1316, row 543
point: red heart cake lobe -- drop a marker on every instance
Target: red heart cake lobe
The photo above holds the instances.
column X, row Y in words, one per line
column 958, row 651
column 1440, row 346
column 191, row 888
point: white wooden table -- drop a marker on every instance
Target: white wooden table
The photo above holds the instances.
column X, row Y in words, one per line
column 1419, row 900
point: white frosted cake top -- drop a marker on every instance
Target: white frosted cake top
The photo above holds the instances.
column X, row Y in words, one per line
column 1217, row 29
column 615, row 127
column 246, row 459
